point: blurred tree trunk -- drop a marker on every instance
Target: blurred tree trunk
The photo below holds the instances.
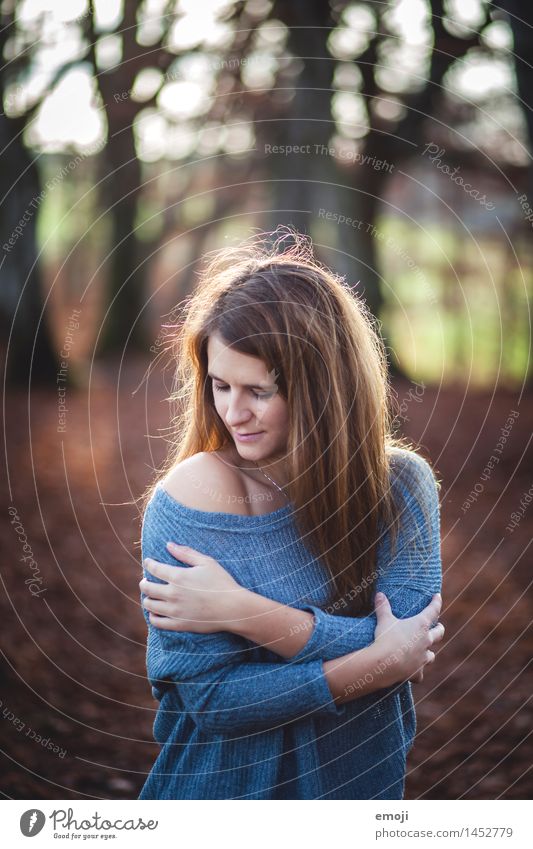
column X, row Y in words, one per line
column 125, row 322
column 122, row 322
column 24, row 327
column 521, row 22
column 126, row 276
column 308, row 182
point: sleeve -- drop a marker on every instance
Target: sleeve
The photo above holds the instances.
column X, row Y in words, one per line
column 409, row 578
column 222, row 692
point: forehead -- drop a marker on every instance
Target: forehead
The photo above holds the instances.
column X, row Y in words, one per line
column 225, row 361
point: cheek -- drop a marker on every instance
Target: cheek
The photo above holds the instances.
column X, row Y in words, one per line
column 219, row 406
column 285, row 419
column 278, row 415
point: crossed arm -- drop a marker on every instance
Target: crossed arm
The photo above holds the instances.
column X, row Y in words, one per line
column 330, row 656
column 409, row 579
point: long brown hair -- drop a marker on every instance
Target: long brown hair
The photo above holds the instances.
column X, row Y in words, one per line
column 275, row 301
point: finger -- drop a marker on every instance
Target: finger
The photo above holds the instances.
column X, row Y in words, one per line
column 154, row 606
column 382, row 605
column 435, row 603
column 430, row 656
column 186, row 554
column 417, row 677
column 167, row 623
column 432, row 611
column 160, row 570
column 437, row 633
column 153, row 590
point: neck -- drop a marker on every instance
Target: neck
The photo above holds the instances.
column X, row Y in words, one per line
column 276, row 469
column 275, row 466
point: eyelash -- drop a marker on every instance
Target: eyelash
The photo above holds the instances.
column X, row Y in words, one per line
column 225, row 388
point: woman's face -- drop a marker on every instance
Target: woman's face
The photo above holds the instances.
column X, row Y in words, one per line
column 247, row 400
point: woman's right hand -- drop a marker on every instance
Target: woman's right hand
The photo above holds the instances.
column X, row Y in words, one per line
column 405, row 645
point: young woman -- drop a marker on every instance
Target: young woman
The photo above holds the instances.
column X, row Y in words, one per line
column 281, row 672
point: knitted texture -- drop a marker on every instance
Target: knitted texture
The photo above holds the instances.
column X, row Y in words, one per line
column 235, row 720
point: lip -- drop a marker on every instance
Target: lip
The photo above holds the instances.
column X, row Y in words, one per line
column 248, row 437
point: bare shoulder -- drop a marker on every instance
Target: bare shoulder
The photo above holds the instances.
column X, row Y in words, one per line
column 205, row 482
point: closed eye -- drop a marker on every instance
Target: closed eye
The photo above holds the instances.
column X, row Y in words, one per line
column 220, row 388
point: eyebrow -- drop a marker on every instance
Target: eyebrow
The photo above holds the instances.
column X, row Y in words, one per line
column 246, row 386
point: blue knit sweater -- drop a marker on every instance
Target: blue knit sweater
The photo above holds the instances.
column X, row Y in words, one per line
column 235, row 720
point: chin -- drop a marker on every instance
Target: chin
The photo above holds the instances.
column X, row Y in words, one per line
column 253, row 447
column 259, row 452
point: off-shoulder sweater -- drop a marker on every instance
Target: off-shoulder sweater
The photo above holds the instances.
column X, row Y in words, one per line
column 235, row 720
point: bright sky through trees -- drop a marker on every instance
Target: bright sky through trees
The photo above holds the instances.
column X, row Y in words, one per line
column 72, row 116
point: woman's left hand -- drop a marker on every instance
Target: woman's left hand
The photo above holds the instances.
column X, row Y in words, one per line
column 203, row 599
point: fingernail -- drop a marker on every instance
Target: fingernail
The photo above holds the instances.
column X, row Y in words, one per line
column 379, row 596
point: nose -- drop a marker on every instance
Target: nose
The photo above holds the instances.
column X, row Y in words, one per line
column 237, row 413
